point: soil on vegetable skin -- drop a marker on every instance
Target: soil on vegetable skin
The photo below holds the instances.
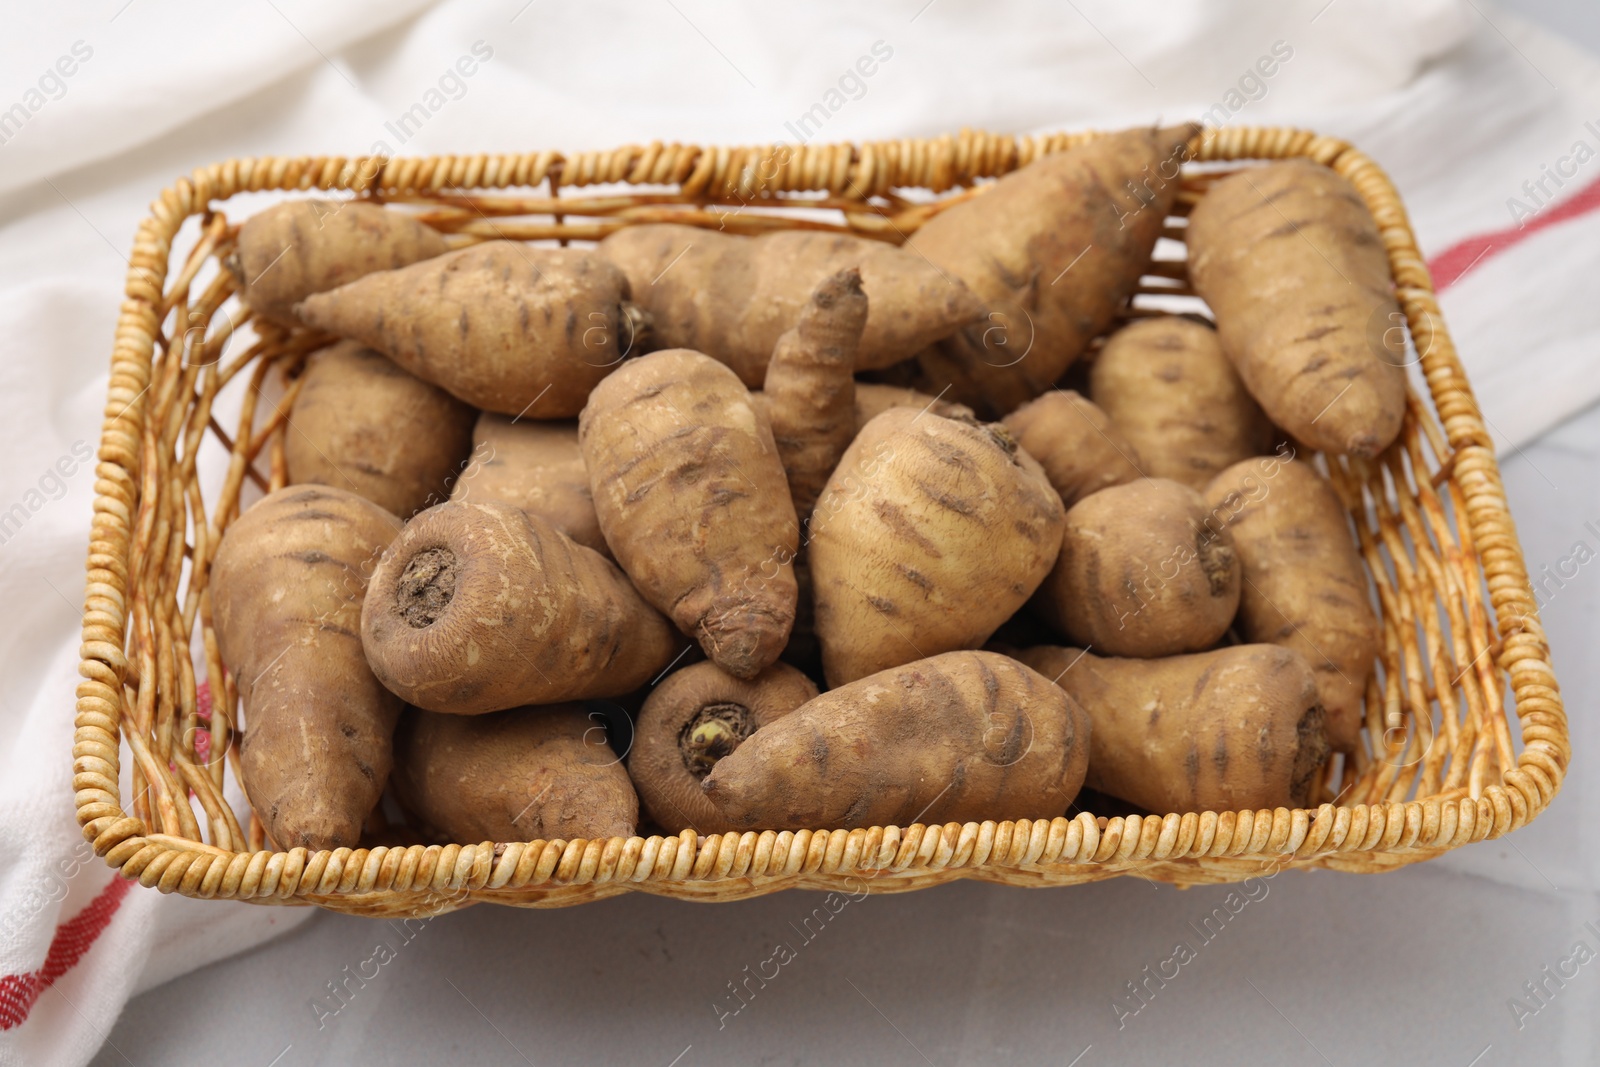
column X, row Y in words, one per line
column 1216, row 560
column 1311, row 752
column 427, row 586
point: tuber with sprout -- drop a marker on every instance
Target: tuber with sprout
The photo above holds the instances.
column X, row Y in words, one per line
column 697, row 716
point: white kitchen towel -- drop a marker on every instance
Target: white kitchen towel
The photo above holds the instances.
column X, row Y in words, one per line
column 1478, row 118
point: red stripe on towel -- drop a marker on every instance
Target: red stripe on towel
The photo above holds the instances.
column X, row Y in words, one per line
column 72, row 941
column 1465, row 256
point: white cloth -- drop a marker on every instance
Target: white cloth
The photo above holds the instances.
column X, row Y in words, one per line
column 1460, row 109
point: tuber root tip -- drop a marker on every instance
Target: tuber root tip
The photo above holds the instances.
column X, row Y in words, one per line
column 1363, row 445
column 744, row 641
column 841, row 286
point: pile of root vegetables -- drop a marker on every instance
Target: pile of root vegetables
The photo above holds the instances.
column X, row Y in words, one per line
column 692, row 530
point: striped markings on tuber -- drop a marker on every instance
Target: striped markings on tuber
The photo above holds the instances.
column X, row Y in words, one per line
column 1173, row 394
column 1291, row 262
column 1238, row 728
column 481, row 607
column 294, row 249
column 693, row 501
column 519, row 329
column 286, row 591
column 962, row 736
column 1305, row 586
column 1055, row 251
column 930, row 534
column 732, row 297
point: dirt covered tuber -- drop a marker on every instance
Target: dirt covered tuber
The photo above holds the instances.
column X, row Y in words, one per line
column 536, row 466
column 363, row 424
column 1143, row 571
column 732, row 297
column 1055, row 251
column 931, row 533
column 519, row 329
column 481, row 607
column 526, row 774
column 1076, row 444
column 692, row 499
column 1238, row 728
column 286, row 591
column 874, row 398
column 810, row 390
column 1171, row 391
column 300, row 247
column 1291, row 261
column 963, row 736
column 1305, row 586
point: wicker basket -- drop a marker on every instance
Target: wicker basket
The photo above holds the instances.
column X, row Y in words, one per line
column 1441, row 767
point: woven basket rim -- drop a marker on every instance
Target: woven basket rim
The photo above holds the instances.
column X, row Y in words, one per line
column 1367, row 836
